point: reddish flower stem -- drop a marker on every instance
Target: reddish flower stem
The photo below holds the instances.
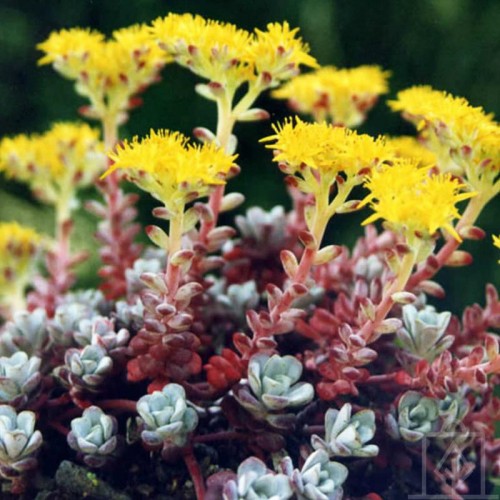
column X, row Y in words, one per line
column 118, row 404
column 194, row 471
column 59, row 427
column 215, row 202
column 469, row 217
column 220, row 436
column 305, row 265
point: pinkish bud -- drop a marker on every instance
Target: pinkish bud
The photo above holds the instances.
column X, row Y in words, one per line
column 432, row 288
column 188, row 291
column 161, row 213
column 204, row 135
column 389, row 325
column 289, row 263
column 297, row 290
column 182, row 259
column 231, row 201
column 96, row 208
column 205, row 213
column 211, row 263
column 459, row 258
column 165, row 309
column 403, row 297
column 472, row 233
column 180, row 322
column 154, row 281
column 253, row 115
column 491, row 346
column 327, row 254
column 348, row 207
column 307, row 239
column 158, row 236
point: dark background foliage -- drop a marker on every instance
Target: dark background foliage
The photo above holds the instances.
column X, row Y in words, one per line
column 453, row 45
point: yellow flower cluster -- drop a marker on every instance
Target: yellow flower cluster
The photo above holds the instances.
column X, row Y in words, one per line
column 340, row 96
column 230, row 56
column 414, row 203
column 54, row 164
column 410, row 147
column 18, row 246
column 170, row 169
column 325, row 148
column 465, row 139
column 109, row 73
column 496, row 242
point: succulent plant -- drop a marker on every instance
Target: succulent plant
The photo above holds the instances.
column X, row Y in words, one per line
column 145, row 265
column 267, row 229
column 19, row 441
column 130, row 315
column 101, row 331
column 369, row 267
column 166, row 416
column 273, row 380
column 423, row 331
column 452, row 410
column 92, row 299
column 346, row 435
column 93, row 436
column 65, row 323
column 320, row 478
column 236, row 299
column 85, row 369
column 274, row 387
column 26, row 332
column 417, row 416
column 19, row 377
column 256, row 482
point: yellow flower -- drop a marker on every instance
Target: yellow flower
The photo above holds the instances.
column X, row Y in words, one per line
column 496, row 242
column 170, row 169
column 18, row 246
column 410, row 147
column 211, row 49
column 277, row 53
column 325, row 148
column 54, row 164
column 465, row 139
column 228, row 55
column 341, row 96
column 413, row 202
column 108, row 73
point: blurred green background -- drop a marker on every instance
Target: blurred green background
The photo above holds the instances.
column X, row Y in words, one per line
column 453, row 45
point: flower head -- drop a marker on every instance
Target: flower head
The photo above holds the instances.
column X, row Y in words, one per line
column 107, row 72
column 228, row 55
column 54, row 164
column 211, row 49
column 170, row 169
column 465, row 138
column 496, row 242
column 324, row 148
column 413, row 202
column 410, row 147
column 18, row 246
column 340, row 96
column 277, row 53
